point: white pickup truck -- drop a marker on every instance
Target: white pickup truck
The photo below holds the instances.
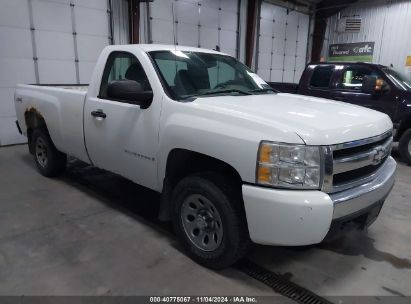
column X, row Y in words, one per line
column 235, row 161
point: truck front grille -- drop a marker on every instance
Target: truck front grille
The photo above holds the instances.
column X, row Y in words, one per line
column 354, row 163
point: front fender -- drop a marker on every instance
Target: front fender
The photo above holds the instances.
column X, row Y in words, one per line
column 226, row 138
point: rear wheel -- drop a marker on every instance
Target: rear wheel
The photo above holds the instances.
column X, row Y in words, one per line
column 50, row 162
column 405, row 147
column 209, row 221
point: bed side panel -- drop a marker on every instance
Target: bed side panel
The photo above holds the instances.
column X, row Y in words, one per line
column 62, row 110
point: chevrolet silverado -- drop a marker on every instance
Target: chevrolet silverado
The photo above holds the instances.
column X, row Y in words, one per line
column 235, row 162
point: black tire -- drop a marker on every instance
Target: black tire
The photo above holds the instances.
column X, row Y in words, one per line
column 50, row 162
column 404, row 147
column 227, row 201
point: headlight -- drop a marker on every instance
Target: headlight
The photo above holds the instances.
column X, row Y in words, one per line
column 288, row 166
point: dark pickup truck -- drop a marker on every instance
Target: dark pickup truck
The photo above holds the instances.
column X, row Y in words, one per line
column 370, row 85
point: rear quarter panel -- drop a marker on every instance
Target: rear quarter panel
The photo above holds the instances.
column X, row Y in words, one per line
column 62, row 110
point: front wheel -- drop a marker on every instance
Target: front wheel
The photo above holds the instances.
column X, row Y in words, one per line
column 209, row 221
column 405, row 147
column 50, row 162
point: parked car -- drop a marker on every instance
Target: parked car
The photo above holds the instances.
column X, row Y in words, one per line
column 234, row 161
column 370, row 85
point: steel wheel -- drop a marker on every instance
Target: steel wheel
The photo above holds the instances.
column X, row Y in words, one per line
column 202, row 222
column 409, row 147
column 41, row 152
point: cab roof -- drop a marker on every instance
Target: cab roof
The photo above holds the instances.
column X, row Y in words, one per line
column 163, row 47
column 348, row 63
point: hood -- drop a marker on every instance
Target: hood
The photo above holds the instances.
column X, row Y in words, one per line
column 317, row 121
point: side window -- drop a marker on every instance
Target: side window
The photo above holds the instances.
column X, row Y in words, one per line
column 352, row 78
column 321, row 77
column 122, row 65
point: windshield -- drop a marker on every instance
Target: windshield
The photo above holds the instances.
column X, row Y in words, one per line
column 400, row 80
column 196, row 74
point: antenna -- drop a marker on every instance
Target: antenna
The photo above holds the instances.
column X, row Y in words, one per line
column 174, row 35
column 174, row 25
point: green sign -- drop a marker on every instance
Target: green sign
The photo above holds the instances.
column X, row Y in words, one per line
column 359, row 51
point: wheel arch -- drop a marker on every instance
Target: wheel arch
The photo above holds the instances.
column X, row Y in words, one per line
column 405, row 124
column 34, row 120
column 182, row 163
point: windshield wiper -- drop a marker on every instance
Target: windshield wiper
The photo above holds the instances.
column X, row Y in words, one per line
column 263, row 90
column 226, row 91
column 219, row 92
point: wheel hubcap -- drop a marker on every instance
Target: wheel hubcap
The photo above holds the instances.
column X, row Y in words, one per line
column 41, row 152
column 202, row 222
column 409, row 147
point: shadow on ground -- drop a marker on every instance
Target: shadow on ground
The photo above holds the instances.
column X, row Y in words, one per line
column 360, row 244
column 117, row 192
column 123, row 195
column 295, row 264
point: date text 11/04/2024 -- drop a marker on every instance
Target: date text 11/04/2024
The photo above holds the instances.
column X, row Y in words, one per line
column 204, row 299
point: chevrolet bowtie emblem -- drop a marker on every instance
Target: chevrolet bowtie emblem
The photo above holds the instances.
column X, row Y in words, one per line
column 379, row 155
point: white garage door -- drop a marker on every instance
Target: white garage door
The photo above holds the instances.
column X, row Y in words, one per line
column 198, row 23
column 282, row 44
column 47, row 41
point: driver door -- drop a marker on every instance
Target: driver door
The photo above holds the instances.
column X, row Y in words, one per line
column 120, row 136
column 349, row 89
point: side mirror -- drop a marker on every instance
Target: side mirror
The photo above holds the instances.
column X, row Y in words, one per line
column 129, row 91
column 369, row 84
column 373, row 85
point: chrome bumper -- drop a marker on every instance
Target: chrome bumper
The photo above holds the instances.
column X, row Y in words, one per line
column 355, row 199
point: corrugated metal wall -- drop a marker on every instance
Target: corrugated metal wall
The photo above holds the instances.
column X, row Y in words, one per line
column 204, row 23
column 121, row 26
column 281, row 52
column 198, row 23
column 387, row 23
column 52, row 41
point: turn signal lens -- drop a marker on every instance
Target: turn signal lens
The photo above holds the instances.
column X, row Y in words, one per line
column 269, row 153
column 265, row 153
column 264, row 175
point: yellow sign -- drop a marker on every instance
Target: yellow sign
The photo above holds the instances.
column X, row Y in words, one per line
column 408, row 62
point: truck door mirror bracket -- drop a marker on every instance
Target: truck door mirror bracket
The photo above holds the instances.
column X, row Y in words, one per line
column 129, row 91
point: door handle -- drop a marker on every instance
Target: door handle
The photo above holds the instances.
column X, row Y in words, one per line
column 99, row 114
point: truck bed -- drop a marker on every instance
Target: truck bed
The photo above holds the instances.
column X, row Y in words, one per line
column 76, row 87
column 61, row 106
